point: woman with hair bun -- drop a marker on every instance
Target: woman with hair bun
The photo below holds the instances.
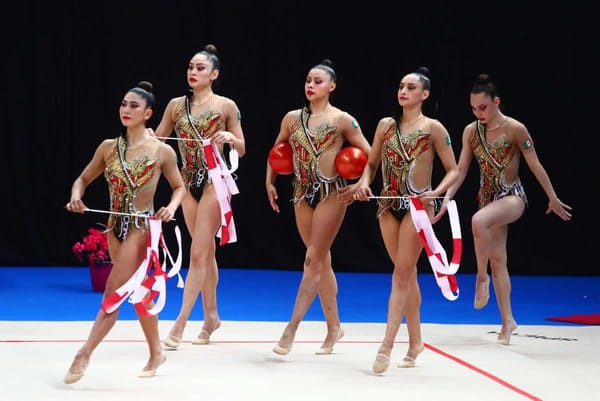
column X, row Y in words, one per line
column 405, row 145
column 132, row 165
column 195, row 117
column 316, row 133
column 497, row 141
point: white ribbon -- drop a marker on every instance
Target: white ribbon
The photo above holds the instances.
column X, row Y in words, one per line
column 443, row 271
column 225, row 186
column 143, row 285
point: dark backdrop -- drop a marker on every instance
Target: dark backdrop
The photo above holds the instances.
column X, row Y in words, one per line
column 67, row 64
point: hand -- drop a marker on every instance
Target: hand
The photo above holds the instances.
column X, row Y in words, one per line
column 442, row 211
column 346, row 194
column 559, row 208
column 221, row 137
column 363, row 193
column 76, row 206
column 272, row 195
column 164, row 214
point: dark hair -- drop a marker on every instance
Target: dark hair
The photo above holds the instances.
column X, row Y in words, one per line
column 210, row 51
column 485, row 84
column 144, row 89
column 423, row 74
column 327, row 66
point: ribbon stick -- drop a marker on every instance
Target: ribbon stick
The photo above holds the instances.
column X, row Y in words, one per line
column 149, row 280
column 87, row 209
column 225, row 186
column 443, row 271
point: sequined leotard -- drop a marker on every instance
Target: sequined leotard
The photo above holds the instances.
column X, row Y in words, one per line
column 493, row 159
column 399, row 156
column 193, row 163
column 308, row 145
column 131, row 185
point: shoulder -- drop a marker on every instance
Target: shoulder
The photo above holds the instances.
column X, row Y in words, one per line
column 226, row 102
column 342, row 117
column 176, row 101
column 108, row 144
column 292, row 115
column 515, row 125
column 436, row 127
column 469, row 128
column 386, row 123
column 164, row 149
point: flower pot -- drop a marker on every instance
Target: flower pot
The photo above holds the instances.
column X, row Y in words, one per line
column 99, row 272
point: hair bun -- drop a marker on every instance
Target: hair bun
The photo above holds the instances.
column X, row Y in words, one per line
column 147, row 86
column 483, row 79
column 210, row 48
column 327, row 63
column 423, row 71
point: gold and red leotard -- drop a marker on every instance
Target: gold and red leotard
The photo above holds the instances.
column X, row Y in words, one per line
column 308, row 145
column 399, row 156
column 131, row 185
column 493, row 159
column 193, row 162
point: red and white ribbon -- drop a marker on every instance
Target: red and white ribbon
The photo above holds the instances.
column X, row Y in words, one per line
column 225, row 186
column 443, row 271
column 149, row 280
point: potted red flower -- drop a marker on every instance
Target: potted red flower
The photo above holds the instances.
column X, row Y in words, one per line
column 94, row 247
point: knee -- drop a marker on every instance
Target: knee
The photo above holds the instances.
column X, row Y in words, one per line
column 198, row 258
column 478, row 224
column 313, row 267
column 401, row 278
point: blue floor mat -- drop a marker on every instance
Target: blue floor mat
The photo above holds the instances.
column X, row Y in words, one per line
column 65, row 294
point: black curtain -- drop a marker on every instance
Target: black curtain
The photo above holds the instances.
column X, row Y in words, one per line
column 67, row 65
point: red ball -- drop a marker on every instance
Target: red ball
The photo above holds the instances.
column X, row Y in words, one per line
column 350, row 162
column 281, row 159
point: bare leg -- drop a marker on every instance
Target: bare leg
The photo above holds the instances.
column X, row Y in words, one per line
column 150, row 328
column 126, row 257
column 209, row 304
column 307, row 291
column 413, row 325
column 403, row 280
column 502, row 286
column 498, row 213
column 317, row 228
column 490, row 233
column 203, row 220
column 481, row 240
column 328, row 290
column 101, row 327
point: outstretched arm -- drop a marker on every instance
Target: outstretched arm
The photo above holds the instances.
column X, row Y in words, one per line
column 555, row 205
